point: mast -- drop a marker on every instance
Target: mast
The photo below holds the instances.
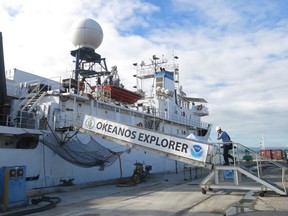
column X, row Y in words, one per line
column 3, row 89
column 262, row 144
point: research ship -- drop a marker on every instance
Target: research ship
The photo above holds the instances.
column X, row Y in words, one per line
column 41, row 118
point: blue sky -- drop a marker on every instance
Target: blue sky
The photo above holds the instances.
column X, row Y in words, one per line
column 233, row 53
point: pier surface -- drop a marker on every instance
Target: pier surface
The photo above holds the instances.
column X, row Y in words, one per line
column 167, row 194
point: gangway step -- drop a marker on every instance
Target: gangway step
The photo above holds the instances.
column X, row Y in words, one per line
column 217, row 180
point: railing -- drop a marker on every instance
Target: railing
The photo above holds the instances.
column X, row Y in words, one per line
column 22, row 89
column 22, row 120
column 4, row 120
column 258, row 163
column 26, row 91
column 183, row 119
column 200, row 110
column 61, row 119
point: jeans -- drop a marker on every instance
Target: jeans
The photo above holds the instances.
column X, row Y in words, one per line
column 226, row 154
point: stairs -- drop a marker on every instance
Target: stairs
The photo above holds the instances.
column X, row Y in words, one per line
column 33, row 101
column 248, row 176
column 27, row 102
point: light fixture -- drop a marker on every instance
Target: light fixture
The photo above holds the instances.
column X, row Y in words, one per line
column 155, row 57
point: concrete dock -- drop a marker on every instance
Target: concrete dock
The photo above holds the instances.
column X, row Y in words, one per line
column 166, row 194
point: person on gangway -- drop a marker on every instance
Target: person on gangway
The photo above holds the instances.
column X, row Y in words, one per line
column 227, row 145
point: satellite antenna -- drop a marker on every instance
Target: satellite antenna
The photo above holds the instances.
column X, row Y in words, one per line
column 87, row 36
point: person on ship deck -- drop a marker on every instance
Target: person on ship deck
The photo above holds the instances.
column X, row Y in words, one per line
column 82, row 86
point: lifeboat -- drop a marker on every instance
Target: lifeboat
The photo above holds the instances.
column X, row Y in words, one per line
column 124, row 95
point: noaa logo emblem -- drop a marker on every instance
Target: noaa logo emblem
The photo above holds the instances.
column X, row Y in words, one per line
column 90, row 123
column 196, row 151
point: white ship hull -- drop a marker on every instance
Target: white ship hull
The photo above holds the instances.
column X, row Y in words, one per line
column 44, row 168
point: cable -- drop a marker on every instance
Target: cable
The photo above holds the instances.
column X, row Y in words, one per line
column 51, row 204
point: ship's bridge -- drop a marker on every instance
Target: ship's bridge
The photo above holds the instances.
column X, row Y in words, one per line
column 199, row 106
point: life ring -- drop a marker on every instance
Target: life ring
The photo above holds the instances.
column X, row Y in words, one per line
column 199, row 107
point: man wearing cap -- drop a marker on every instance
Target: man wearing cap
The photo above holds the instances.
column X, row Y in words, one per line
column 227, row 145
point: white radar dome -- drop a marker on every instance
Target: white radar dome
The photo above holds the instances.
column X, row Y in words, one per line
column 87, row 33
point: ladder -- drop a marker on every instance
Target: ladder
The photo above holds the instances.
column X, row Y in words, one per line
column 33, row 101
column 28, row 99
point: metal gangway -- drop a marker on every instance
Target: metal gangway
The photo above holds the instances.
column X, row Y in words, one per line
column 193, row 152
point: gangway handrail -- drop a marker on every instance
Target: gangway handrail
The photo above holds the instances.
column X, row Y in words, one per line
column 257, row 155
column 239, row 167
